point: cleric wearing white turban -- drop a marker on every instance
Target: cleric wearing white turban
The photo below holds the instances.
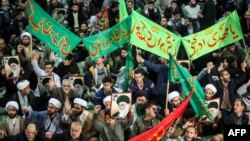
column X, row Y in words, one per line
column 210, row 91
column 55, row 102
column 80, row 101
column 172, row 95
column 26, row 34
column 12, row 103
column 22, row 84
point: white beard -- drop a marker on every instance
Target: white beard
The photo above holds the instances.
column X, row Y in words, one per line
column 16, row 72
column 123, row 113
column 80, row 91
column 214, row 114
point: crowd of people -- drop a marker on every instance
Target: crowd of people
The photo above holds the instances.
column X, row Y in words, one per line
column 80, row 109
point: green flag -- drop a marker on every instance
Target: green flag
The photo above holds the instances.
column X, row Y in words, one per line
column 128, row 68
column 122, row 10
column 188, row 83
column 221, row 34
column 109, row 40
column 150, row 36
column 53, row 34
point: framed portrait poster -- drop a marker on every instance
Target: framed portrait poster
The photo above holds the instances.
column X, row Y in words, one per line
column 43, row 84
column 213, row 106
column 12, row 66
column 77, row 83
column 120, row 105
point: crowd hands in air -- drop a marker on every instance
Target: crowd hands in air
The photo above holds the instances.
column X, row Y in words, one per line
column 64, row 109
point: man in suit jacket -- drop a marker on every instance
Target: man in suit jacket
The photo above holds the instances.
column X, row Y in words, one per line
column 75, row 18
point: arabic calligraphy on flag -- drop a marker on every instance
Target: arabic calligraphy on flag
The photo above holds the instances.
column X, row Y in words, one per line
column 177, row 73
column 156, row 133
column 109, row 40
column 53, row 34
column 219, row 35
column 150, row 36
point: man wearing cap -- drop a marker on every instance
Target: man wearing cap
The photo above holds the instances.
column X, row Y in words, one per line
column 24, row 96
column 47, row 71
column 13, row 124
column 47, row 121
column 210, row 91
column 79, row 114
column 15, row 67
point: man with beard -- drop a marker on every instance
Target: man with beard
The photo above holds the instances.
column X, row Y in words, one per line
column 141, row 100
column 15, row 67
column 24, row 96
column 78, row 85
column 79, row 114
column 64, row 94
column 13, row 124
column 174, row 100
column 226, row 88
column 123, row 103
column 152, row 12
column 47, row 121
column 121, row 59
column 192, row 10
column 75, row 18
column 45, row 83
column 24, row 51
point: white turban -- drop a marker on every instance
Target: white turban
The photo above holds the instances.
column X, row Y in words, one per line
column 26, row 34
column 22, row 84
column 80, row 102
column 12, row 103
column 211, row 87
column 106, row 99
column 173, row 95
column 55, row 102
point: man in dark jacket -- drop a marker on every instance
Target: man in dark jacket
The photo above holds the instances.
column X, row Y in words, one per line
column 29, row 135
column 73, row 134
column 238, row 117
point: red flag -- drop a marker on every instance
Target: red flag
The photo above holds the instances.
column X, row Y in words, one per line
column 156, row 133
column 103, row 21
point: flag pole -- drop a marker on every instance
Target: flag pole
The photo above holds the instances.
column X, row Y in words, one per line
column 167, row 93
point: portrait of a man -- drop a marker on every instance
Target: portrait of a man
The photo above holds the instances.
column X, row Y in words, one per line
column 120, row 105
column 12, row 66
column 43, row 85
column 77, row 83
